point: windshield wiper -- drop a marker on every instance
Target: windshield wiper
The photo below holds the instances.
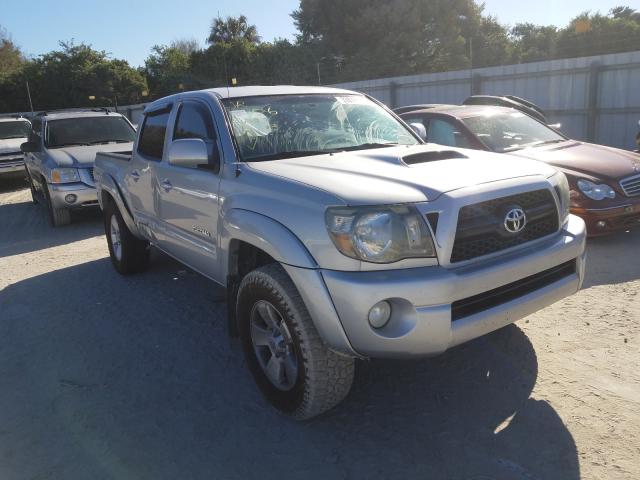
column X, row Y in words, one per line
column 101, row 142
column 365, row 146
column 13, row 136
column 71, row 144
column 533, row 144
column 291, row 154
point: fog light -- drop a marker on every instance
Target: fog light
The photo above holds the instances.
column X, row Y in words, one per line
column 601, row 224
column 380, row 314
column 71, row 198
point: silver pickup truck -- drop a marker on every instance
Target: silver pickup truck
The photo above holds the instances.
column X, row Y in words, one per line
column 336, row 231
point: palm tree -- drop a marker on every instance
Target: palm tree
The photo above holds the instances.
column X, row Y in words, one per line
column 232, row 29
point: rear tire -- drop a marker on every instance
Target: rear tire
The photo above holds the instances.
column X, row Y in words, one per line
column 128, row 253
column 292, row 366
column 58, row 217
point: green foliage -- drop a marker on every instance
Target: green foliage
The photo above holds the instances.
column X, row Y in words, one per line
column 11, row 59
column 338, row 40
column 68, row 77
column 231, row 30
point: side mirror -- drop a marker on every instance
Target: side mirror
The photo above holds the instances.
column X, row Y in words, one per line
column 188, row 152
column 555, row 126
column 28, row 147
column 419, row 129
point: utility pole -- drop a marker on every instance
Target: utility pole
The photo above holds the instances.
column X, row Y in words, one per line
column 29, row 95
column 471, row 64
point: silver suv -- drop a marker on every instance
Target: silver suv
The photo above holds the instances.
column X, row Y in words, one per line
column 14, row 130
column 336, row 231
column 59, row 156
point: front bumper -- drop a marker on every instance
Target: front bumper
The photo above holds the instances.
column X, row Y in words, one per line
column 601, row 221
column 13, row 165
column 85, row 196
column 421, row 298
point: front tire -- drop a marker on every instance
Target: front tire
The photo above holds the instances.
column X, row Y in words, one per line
column 291, row 365
column 58, row 217
column 128, row 253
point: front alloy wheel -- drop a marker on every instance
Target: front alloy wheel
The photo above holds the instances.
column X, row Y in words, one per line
column 273, row 346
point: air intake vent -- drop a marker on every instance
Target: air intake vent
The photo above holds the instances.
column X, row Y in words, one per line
column 424, row 157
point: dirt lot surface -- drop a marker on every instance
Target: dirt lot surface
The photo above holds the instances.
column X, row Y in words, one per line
column 105, row 377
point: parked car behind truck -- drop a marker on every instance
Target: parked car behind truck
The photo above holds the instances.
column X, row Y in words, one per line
column 59, row 156
column 14, row 130
column 337, row 233
column 604, row 181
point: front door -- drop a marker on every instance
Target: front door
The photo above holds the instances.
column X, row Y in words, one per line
column 188, row 197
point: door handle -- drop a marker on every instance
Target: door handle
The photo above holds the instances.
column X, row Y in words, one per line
column 166, row 185
column 135, row 174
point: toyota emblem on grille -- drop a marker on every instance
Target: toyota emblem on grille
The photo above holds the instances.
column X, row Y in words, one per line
column 515, row 220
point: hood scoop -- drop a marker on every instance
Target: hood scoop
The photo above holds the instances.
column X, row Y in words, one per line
column 424, row 157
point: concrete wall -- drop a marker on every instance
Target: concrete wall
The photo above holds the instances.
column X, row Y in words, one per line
column 595, row 98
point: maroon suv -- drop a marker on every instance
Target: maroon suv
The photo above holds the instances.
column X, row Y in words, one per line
column 604, row 181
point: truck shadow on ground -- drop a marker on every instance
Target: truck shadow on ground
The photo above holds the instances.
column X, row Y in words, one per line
column 25, row 228
column 134, row 377
column 613, row 258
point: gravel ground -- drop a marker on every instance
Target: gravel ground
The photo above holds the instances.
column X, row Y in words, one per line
column 105, row 377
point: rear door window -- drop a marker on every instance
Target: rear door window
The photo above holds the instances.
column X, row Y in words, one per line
column 154, row 128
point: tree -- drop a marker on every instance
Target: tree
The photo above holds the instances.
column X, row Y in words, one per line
column 11, row 58
column 69, row 76
column 232, row 29
column 533, row 42
column 369, row 38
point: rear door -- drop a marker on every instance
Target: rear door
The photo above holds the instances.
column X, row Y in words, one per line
column 140, row 183
column 188, row 196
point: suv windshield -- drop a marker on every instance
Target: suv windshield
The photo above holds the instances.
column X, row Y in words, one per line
column 17, row 129
column 88, row 131
column 506, row 132
column 273, row 127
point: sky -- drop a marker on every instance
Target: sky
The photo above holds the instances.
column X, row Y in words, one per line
column 129, row 28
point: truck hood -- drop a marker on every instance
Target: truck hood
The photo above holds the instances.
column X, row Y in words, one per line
column 598, row 161
column 84, row 156
column 383, row 175
column 8, row 145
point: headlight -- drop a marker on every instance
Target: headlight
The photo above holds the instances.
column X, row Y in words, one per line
column 596, row 191
column 380, row 234
column 561, row 186
column 65, row 175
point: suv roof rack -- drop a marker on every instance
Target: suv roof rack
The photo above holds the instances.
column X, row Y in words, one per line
column 72, row 110
column 511, row 101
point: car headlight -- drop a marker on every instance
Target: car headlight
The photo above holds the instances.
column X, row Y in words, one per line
column 596, row 191
column 65, row 175
column 380, row 234
column 561, row 186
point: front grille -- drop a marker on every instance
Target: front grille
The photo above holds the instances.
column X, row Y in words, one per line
column 631, row 186
column 11, row 154
column 481, row 228
column 493, row 298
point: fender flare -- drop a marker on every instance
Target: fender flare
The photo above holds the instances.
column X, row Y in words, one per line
column 266, row 234
column 108, row 186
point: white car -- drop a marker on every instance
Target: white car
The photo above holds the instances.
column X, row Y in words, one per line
column 14, row 131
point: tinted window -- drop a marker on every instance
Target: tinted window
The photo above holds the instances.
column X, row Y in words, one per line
column 17, row 129
column 194, row 121
column 445, row 133
column 88, row 131
column 152, row 135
